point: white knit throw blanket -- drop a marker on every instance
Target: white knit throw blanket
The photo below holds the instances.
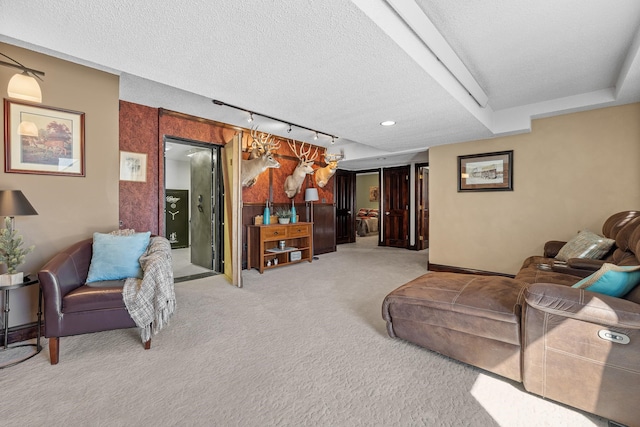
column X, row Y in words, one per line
column 151, row 301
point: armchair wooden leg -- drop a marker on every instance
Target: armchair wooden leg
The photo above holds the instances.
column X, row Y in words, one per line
column 54, row 350
column 147, row 345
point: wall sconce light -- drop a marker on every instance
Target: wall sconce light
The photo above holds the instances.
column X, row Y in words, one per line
column 23, row 85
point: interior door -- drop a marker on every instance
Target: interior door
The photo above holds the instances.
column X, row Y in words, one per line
column 202, row 208
column 396, row 207
column 422, row 208
column 345, row 199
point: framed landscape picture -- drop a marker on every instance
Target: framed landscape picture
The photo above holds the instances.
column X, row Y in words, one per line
column 43, row 140
column 486, row 172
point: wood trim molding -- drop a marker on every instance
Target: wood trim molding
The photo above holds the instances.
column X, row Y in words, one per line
column 165, row 112
column 453, row 269
column 23, row 333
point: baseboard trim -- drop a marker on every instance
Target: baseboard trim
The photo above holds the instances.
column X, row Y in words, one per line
column 453, row 269
column 22, row 333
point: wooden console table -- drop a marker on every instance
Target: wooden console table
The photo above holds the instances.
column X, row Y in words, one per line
column 263, row 245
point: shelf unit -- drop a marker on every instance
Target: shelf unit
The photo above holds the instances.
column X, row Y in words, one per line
column 263, row 245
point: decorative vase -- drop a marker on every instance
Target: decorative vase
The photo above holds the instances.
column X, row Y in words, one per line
column 293, row 213
column 283, row 220
column 267, row 215
column 11, row 279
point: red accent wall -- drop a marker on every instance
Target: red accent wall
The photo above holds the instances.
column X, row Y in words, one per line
column 139, row 200
column 142, row 130
column 259, row 192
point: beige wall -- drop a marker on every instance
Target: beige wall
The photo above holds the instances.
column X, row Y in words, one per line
column 69, row 208
column 570, row 173
column 363, row 182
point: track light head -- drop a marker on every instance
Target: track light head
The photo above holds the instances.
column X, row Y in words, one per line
column 289, row 130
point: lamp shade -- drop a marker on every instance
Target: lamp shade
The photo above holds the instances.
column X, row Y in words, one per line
column 23, row 86
column 311, row 195
column 14, row 203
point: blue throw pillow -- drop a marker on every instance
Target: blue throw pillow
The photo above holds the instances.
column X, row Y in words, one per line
column 612, row 280
column 116, row 257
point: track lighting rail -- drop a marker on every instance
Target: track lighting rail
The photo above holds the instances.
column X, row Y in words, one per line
column 253, row 113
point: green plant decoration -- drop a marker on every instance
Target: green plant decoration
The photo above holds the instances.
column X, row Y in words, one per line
column 11, row 252
column 283, row 212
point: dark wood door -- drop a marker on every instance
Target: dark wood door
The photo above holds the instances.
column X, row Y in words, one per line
column 422, row 208
column 345, row 199
column 395, row 216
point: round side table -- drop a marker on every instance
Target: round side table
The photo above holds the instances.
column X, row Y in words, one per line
column 6, row 347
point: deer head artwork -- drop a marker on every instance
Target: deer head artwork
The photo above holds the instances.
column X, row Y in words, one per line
column 323, row 175
column 257, row 148
column 261, row 157
column 293, row 183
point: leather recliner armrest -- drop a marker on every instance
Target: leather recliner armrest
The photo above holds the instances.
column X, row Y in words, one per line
column 552, row 247
column 65, row 272
column 585, row 264
column 583, row 305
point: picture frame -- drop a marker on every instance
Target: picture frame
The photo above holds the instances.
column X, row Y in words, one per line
column 133, row 166
column 486, row 172
column 43, row 140
column 374, row 194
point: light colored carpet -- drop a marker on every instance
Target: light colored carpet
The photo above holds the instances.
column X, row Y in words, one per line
column 181, row 263
column 302, row 345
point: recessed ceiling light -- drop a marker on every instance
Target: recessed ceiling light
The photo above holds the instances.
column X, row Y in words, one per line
column 388, row 123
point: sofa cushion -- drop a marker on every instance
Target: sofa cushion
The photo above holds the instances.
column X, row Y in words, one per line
column 537, row 269
column 474, row 319
column 612, row 280
column 585, row 244
column 116, row 257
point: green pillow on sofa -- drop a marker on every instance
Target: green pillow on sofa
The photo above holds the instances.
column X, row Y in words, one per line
column 612, row 280
column 585, row 244
column 116, row 257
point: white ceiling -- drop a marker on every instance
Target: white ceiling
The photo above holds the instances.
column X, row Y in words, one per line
column 445, row 71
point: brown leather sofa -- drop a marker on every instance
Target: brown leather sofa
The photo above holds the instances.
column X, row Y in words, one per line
column 72, row 307
column 566, row 344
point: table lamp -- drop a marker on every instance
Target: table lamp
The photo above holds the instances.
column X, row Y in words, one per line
column 13, row 203
column 311, row 195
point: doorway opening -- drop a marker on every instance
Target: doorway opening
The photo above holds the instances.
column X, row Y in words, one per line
column 367, row 206
column 357, row 198
column 193, row 211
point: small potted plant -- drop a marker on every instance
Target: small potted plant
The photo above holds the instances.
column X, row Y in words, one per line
column 284, row 215
column 12, row 254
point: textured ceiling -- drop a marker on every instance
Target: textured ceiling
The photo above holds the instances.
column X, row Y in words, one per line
column 342, row 67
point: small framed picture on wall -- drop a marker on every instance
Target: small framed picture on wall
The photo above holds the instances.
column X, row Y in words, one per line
column 133, row 166
column 486, row 172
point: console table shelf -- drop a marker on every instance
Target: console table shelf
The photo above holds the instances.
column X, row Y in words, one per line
column 263, row 245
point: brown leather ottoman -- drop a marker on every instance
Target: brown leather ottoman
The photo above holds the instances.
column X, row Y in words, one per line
column 474, row 319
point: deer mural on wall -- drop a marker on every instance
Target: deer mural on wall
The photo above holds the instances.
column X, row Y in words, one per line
column 323, row 175
column 293, row 183
column 261, row 158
